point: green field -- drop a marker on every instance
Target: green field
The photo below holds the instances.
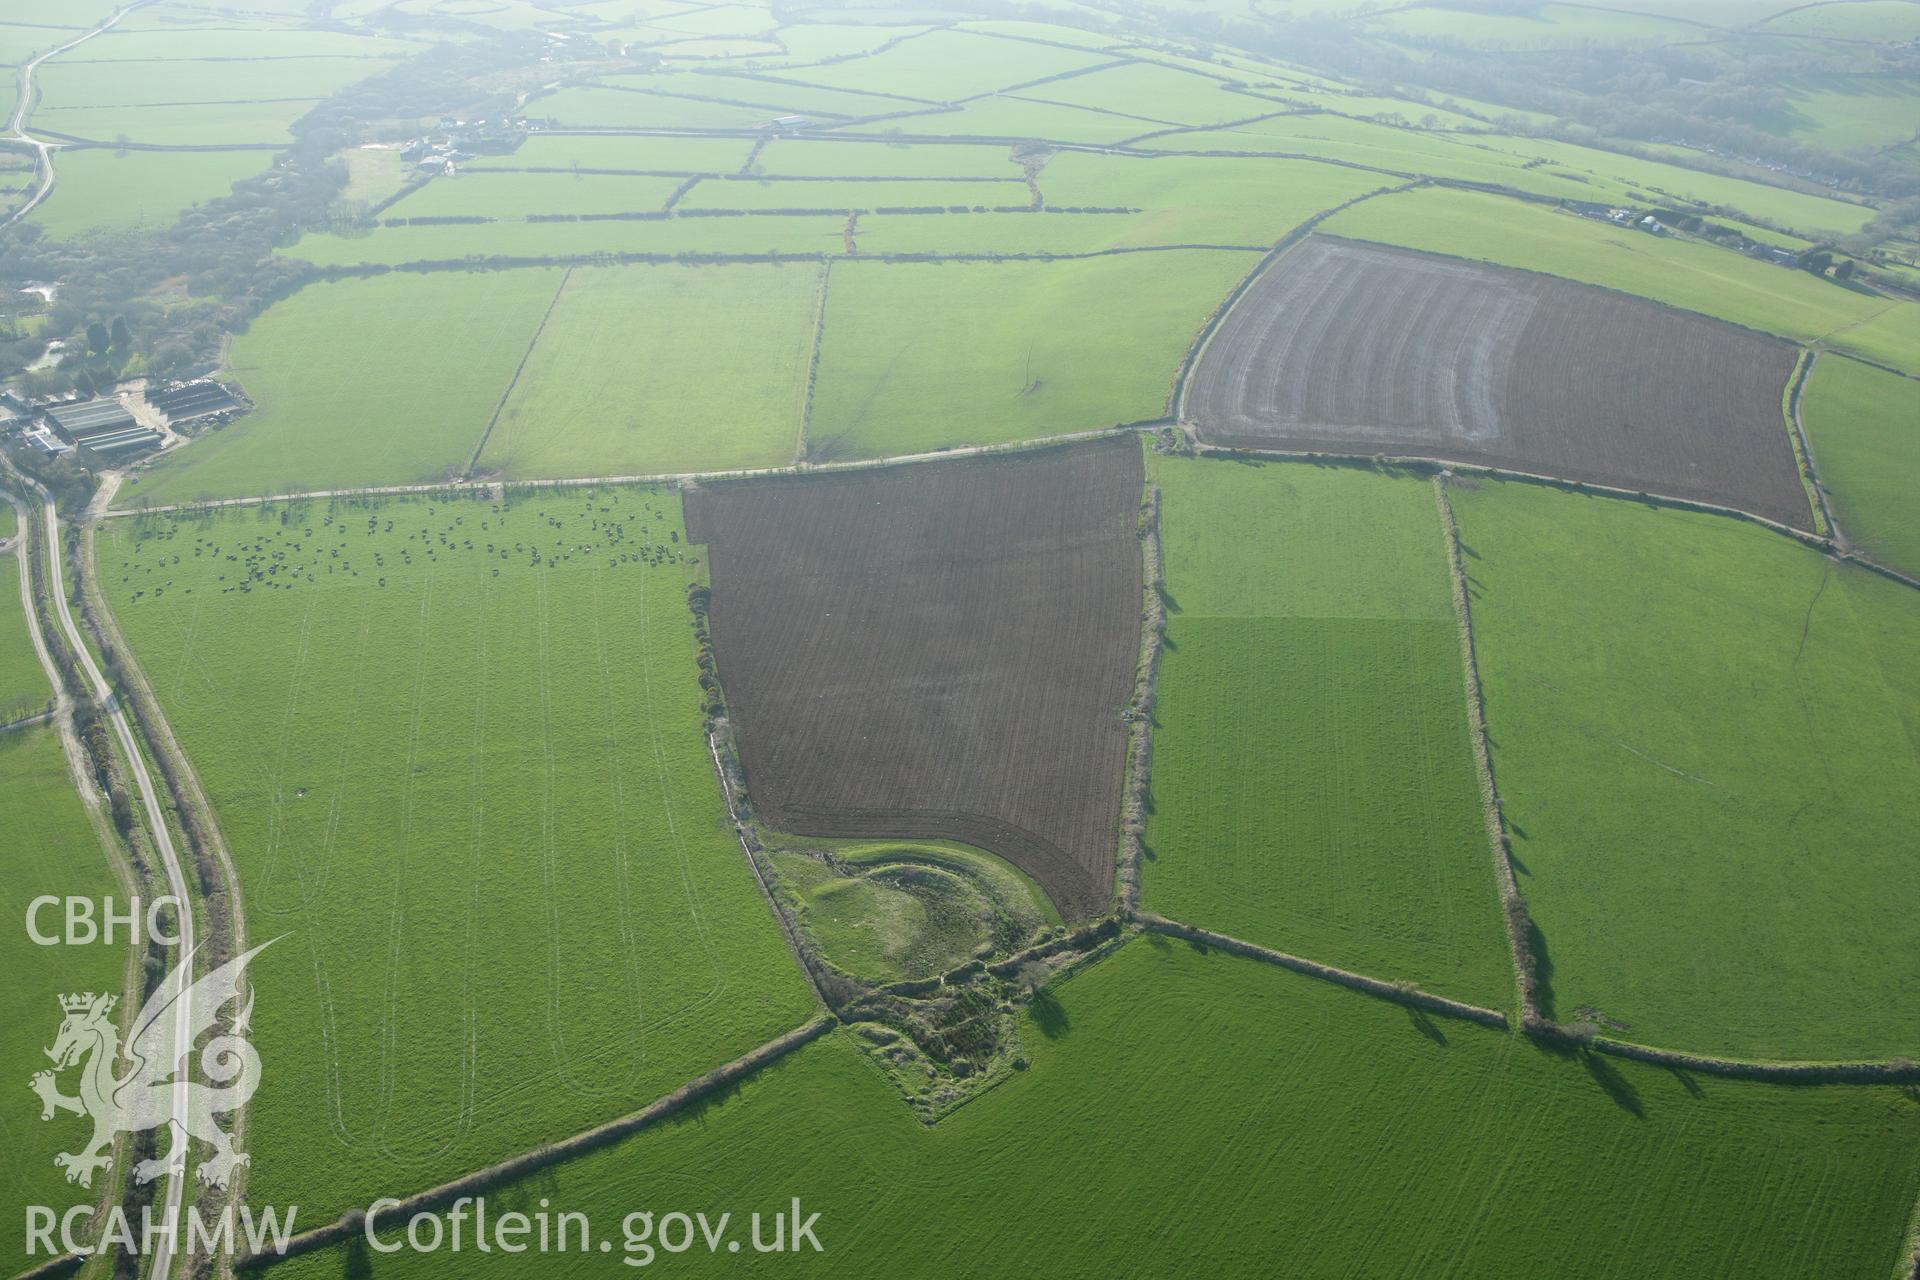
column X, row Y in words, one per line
column 1189, row 1114
column 812, row 235
column 1888, row 20
column 1313, row 779
column 643, row 370
column 1008, row 233
column 828, row 158
column 713, row 193
column 1695, row 277
column 1545, row 26
column 606, row 108
column 947, row 66
column 1398, row 152
column 1015, row 117
column 1650, row 180
column 658, row 155
column 104, row 190
column 213, row 124
column 1190, row 200
column 1704, row 737
column 515, row 195
column 383, row 380
column 1860, row 113
column 49, row 848
column 920, row 356
column 1153, row 93
column 457, row 753
column 763, row 91
column 1863, row 425
column 24, row 689
column 261, row 82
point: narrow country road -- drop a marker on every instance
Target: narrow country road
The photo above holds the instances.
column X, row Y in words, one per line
column 17, row 125
column 165, row 1247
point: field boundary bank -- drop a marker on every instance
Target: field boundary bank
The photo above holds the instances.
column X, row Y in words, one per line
column 1513, row 906
column 1397, row 993
column 1803, row 446
column 486, row 433
column 466, row 488
column 1183, row 376
column 1862, row 1072
column 813, row 355
column 541, row 1157
column 1139, row 715
column 510, row 262
column 460, row 488
column 789, row 929
column 457, row 488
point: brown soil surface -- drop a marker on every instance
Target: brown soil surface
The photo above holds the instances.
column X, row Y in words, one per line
column 1348, row 347
column 939, row 650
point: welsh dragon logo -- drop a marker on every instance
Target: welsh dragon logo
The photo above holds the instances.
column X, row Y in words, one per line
column 145, row 1085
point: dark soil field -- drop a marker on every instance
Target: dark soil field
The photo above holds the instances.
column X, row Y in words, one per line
column 1356, row 348
column 937, row 651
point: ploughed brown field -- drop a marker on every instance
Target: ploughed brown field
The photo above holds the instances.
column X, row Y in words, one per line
column 1347, row 347
column 940, row 650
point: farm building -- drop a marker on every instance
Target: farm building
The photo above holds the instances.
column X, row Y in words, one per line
column 101, row 425
column 191, row 400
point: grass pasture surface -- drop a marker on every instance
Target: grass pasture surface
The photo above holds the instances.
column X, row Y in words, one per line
column 1863, row 425
column 339, row 375
column 457, row 751
column 1193, row 200
column 812, row 194
column 214, row 124
column 1887, row 21
column 1546, row 26
column 648, row 369
column 948, row 65
column 919, row 356
column 1694, row 277
column 23, row 681
column 1014, row 117
column 1149, row 91
column 515, row 195
column 105, row 190
column 63, row 84
column 1860, row 113
column 49, row 847
column 810, row 235
column 1313, row 778
column 599, row 106
column 638, row 154
column 1340, row 1136
column 834, row 158
column 1705, row 747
